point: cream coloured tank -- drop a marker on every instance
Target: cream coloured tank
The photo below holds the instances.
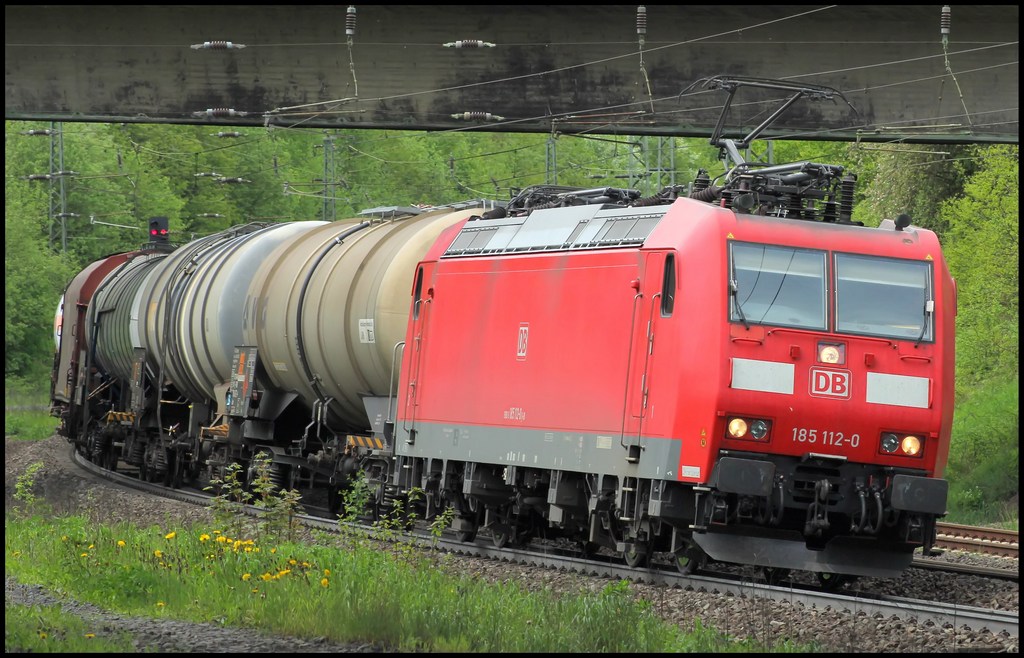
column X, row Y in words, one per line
column 327, row 307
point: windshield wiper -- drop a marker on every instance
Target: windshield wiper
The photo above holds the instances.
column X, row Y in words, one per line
column 734, row 288
column 929, row 308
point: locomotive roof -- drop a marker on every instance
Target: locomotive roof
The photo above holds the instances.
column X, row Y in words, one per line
column 573, row 228
column 600, row 226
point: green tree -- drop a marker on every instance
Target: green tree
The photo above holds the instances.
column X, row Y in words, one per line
column 982, row 248
column 914, row 179
column 34, row 278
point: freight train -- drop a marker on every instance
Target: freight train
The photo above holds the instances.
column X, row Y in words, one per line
column 732, row 369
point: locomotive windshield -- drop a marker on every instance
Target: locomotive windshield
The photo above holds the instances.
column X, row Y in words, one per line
column 786, row 287
column 883, row 297
column 779, row 286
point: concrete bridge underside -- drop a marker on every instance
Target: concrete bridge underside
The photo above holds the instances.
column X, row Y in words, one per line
column 534, row 68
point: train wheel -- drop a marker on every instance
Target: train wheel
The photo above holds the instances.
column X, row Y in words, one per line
column 636, row 555
column 690, row 559
column 110, row 457
column 144, row 467
column 500, row 538
column 470, row 534
column 175, row 470
column 97, row 444
column 334, row 498
column 832, row 581
column 775, row 575
column 154, row 464
column 502, row 525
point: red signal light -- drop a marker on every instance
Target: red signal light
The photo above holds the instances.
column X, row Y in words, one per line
column 158, row 229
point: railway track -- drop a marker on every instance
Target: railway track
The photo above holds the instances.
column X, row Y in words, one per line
column 809, row 597
column 991, row 541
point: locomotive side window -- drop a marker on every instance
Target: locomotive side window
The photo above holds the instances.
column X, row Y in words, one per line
column 668, row 286
column 417, row 294
column 883, row 297
column 780, row 286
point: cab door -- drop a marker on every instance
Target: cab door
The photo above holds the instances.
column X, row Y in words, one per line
column 409, row 395
column 654, row 301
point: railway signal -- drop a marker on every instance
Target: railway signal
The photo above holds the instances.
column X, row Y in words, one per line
column 158, row 231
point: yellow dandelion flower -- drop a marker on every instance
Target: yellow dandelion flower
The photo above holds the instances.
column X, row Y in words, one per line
column 255, row 590
column 248, row 549
column 246, row 576
column 216, row 532
column 170, row 535
column 158, row 553
column 84, row 555
column 324, row 582
column 266, row 576
column 222, row 539
column 90, row 635
column 305, row 565
column 42, row 635
column 327, row 572
column 273, row 550
column 292, row 561
column 92, row 546
column 160, row 604
column 284, row 572
column 120, row 543
column 63, row 537
column 204, row 537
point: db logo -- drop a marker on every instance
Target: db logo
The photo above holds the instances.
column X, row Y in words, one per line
column 830, row 383
column 524, row 334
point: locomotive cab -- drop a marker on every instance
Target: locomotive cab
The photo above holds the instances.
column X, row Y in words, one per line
column 835, row 408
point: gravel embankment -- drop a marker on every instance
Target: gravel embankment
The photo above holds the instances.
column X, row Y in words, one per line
column 66, row 488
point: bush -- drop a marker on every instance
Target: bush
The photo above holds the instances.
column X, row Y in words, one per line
column 983, row 468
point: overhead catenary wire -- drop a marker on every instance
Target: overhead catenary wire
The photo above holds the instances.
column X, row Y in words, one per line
column 598, row 126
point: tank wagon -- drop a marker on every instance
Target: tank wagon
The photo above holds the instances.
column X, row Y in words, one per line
column 733, row 369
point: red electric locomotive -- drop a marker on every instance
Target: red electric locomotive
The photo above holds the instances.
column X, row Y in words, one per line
column 744, row 374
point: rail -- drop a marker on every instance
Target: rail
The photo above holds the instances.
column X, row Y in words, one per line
column 993, row 541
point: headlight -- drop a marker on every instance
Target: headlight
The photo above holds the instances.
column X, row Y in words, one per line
column 911, row 445
column 833, row 354
column 737, row 428
column 905, row 445
column 751, row 429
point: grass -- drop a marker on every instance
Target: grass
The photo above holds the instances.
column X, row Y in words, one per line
column 345, row 592
column 25, row 413
column 48, row 629
column 350, row 591
column 984, row 461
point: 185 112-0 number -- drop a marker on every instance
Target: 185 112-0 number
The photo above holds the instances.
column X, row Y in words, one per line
column 825, row 437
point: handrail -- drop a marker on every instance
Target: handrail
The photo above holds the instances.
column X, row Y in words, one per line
column 391, row 380
column 419, row 348
column 629, row 362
